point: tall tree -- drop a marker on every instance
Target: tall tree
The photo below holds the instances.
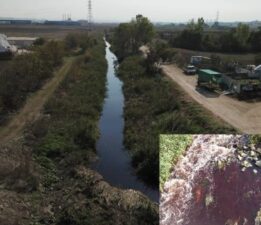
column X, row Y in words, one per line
column 129, row 37
column 242, row 33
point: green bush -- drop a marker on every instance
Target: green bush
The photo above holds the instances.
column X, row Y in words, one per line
column 70, row 126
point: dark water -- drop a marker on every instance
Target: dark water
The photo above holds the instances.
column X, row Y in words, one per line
column 114, row 161
column 236, row 198
column 203, row 191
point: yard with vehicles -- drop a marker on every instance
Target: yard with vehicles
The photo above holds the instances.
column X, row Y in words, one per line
column 243, row 115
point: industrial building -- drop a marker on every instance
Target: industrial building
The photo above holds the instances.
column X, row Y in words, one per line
column 16, row 22
column 63, row 23
column 22, row 42
column 46, row 22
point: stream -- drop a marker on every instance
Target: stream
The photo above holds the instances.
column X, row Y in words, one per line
column 114, row 162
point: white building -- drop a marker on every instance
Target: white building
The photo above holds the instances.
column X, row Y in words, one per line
column 22, row 42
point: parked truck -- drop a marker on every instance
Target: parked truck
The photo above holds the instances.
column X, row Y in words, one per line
column 200, row 62
column 239, row 84
column 209, row 78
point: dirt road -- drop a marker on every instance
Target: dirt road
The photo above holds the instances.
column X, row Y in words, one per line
column 245, row 116
column 31, row 110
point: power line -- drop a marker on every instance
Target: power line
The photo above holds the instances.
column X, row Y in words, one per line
column 217, row 17
column 90, row 15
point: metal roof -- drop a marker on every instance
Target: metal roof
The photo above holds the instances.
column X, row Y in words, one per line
column 258, row 68
column 210, row 72
column 21, row 38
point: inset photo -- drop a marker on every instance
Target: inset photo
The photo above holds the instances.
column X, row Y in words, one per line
column 210, row 180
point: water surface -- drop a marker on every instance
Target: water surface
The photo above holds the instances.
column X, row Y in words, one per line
column 114, row 160
column 206, row 189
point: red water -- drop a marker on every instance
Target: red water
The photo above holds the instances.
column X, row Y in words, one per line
column 200, row 193
column 236, row 194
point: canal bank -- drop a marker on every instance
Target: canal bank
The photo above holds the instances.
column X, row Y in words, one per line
column 114, row 162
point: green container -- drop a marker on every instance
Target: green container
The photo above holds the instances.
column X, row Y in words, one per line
column 209, row 76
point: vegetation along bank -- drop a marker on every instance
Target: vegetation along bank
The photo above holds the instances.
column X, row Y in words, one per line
column 153, row 104
column 54, row 181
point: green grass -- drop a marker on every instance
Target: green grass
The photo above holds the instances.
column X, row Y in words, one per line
column 255, row 139
column 171, row 148
column 70, row 129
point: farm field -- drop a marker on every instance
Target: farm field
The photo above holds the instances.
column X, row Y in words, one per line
column 241, row 58
column 45, row 31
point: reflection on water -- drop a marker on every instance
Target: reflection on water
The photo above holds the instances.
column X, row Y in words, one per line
column 115, row 163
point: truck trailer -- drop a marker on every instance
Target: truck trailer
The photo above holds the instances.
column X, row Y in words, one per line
column 209, row 78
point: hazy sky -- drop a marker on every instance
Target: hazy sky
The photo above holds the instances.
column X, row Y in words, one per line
column 123, row 10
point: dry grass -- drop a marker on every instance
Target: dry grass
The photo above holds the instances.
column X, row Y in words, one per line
column 53, row 32
column 241, row 58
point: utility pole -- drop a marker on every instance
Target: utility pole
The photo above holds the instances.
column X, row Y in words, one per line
column 90, row 18
column 217, row 19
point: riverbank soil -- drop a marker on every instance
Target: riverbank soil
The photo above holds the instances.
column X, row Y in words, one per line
column 243, row 115
column 216, row 181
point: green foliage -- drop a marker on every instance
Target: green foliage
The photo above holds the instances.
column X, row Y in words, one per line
column 27, row 73
column 159, row 51
column 255, row 139
column 70, row 41
column 236, row 40
column 171, row 148
column 242, row 34
column 70, row 130
column 258, row 59
column 39, row 41
column 129, row 37
column 255, row 40
column 198, row 27
column 156, row 106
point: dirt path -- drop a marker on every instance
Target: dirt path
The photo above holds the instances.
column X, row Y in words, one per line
column 244, row 116
column 31, row 110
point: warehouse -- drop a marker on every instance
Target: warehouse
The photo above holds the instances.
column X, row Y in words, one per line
column 22, row 42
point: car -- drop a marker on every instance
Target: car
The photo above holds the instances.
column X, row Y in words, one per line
column 190, row 70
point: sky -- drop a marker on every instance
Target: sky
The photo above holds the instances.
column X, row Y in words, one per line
column 123, row 10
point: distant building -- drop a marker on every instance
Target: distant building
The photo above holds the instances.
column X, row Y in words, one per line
column 22, row 42
column 16, row 22
column 63, row 23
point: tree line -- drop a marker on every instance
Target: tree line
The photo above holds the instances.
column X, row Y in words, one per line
column 240, row 39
